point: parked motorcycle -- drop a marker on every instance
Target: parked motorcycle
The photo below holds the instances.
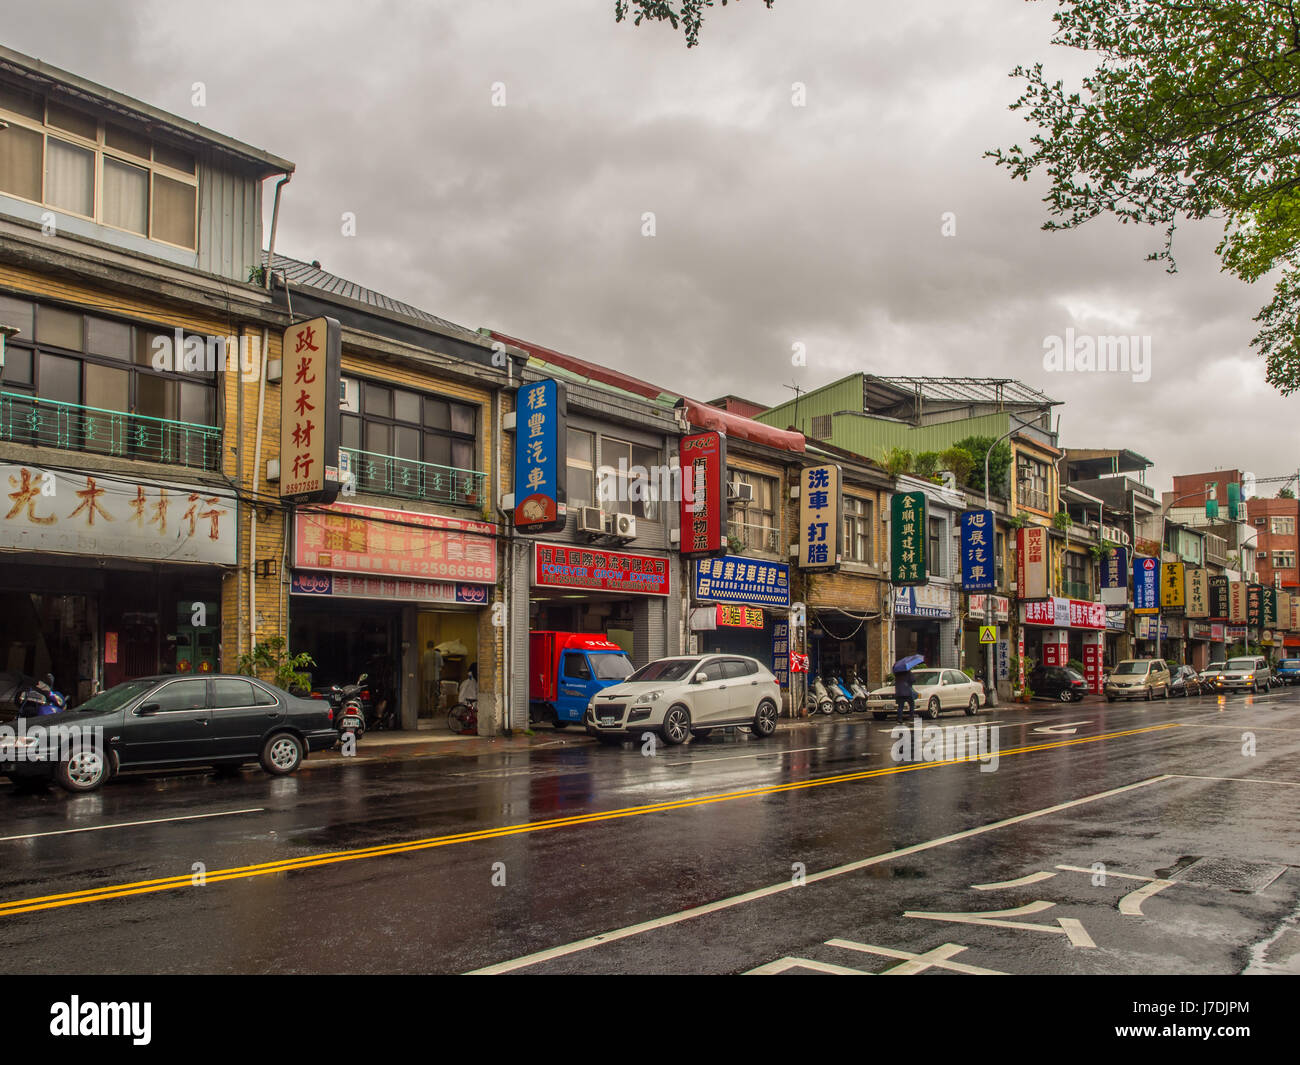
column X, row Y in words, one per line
column 860, row 692
column 819, row 698
column 348, row 707
column 40, row 698
column 842, row 695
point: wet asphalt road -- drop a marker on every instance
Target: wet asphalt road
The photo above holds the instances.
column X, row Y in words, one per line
column 811, row 851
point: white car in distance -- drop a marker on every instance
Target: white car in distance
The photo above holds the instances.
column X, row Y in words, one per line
column 687, row 695
column 937, row 690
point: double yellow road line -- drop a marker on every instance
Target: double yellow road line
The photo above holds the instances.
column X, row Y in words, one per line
column 289, row 865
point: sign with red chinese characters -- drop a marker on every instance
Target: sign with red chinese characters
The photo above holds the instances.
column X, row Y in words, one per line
column 110, row 648
column 557, row 566
column 311, row 358
column 111, row 515
column 703, row 458
column 1092, row 659
column 1031, row 562
column 348, row 538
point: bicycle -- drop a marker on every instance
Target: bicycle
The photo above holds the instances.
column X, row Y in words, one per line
column 463, row 717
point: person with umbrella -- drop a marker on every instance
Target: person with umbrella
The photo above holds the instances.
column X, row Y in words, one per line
column 903, row 690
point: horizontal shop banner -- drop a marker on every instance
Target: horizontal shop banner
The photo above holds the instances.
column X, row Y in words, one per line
column 1001, row 607
column 736, row 579
column 102, row 514
column 923, row 601
column 557, row 566
column 1065, row 613
column 348, row 538
column 344, row 586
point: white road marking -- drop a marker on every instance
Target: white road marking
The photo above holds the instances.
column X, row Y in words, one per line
column 1069, row 926
column 1032, row 878
column 786, row 885
column 1247, row 780
column 1107, row 873
column 1063, row 729
column 1131, row 904
column 133, row 824
column 1240, row 727
column 954, row 724
column 784, row 965
column 939, row 958
column 756, row 754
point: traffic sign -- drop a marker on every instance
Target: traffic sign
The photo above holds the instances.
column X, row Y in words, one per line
column 988, row 634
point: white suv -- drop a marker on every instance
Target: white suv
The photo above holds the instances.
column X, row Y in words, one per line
column 687, row 695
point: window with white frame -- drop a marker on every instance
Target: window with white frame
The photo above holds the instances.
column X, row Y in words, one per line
column 857, row 530
column 1283, row 527
column 937, row 547
column 627, row 474
column 755, row 523
column 71, row 160
column 580, row 468
column 1284, row 560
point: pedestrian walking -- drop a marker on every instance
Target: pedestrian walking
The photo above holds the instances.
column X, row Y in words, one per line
column 904, row 692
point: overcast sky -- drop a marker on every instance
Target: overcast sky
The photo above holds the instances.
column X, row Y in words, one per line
column 775, row 224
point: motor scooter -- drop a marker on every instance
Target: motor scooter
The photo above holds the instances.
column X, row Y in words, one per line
column 842, row 694
column 347, row 707
column 860, row 692
column 819, row 698
column 40, row 699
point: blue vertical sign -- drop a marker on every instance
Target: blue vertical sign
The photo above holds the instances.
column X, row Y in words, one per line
column 1114, row 568
column 978, row 568
column 540, row 443
column 781, row 652
column 1146, row 585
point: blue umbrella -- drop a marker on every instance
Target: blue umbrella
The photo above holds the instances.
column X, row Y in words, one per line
column 904, row 665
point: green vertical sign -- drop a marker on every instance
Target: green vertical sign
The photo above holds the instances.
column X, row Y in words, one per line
column 907, row 539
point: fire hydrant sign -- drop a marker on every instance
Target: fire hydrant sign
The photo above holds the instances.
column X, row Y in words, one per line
column 311, row 361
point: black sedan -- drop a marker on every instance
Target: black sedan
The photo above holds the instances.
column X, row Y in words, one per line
column 219, row 720
column 1058, row 682
column 1184, row 680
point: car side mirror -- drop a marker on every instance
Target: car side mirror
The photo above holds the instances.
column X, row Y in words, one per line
column 148, row 708
column 701, row 678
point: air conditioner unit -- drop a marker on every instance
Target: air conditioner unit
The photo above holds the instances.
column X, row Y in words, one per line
column 591, row 520
column 349, row 395
column 1261, row 521
column 625, row 526
column 1125, row 539
column 740, row 491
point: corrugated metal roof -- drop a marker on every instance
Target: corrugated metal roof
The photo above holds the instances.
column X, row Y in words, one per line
column 978, row 389
column 311, row 275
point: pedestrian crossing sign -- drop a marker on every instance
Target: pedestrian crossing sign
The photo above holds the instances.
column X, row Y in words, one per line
column 988, row 634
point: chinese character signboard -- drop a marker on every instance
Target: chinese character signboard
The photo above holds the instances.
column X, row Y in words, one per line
column 1065, row 613
column 346, row 538
column 1092, row 665
column 977, row 562
column 309, row 411
column 1254, row 604
column 347, row 586
column 907, row 532
column 923, row 601
column 540, row 416
column 1172, row 593
column 820, row 527
column 1031, row 562
column 1146, row 585
column 703, row 458
column 110, row 515
column 735, row 579
column 735, row 616
column 1114, row 577
column 781, row 652
column 1219, row 598
column 1268, row 606
column 1198, row 593
column 598, row 569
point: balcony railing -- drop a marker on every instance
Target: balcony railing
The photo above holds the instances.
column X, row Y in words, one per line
column 407, row 479
column 39, row 422
column 753, row 537
column 1076, row 590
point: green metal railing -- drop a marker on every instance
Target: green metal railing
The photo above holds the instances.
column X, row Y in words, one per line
column 1076, row 590
column 392, row 476
column 40, row 422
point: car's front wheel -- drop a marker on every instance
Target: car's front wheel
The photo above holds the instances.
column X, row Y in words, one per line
column 84, row 771
column 676, row 726
column 282, row 754
column 765, row 719
column 932, row 708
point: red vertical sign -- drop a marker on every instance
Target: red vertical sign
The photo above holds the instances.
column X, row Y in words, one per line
column 704, row 493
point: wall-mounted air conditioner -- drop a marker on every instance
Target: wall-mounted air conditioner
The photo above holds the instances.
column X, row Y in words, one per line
column 740, row 492
column 624, row 526
column 349, row 395
column 591, row 520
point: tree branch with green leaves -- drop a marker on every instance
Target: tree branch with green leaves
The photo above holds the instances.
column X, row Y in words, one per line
column 1192, row 113
column 688, row 14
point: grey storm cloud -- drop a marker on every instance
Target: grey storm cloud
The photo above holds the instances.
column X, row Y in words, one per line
column 774, row 224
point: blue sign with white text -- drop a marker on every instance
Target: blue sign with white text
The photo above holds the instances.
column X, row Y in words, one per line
column 1146, row 585
column 734, row 579
column 978, row 559
column 539, row 462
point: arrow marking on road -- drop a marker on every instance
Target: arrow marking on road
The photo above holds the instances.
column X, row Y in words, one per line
column 1063, row 729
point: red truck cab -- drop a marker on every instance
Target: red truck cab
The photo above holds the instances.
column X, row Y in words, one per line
column 565, row 669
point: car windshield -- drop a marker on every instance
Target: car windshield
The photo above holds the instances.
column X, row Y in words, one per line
column 925, row 676
column 1289, row 663
column 665, row 669
column 610, row 666
column 1073, row 674
column 117, row 696
column 1132, row 668
column 1214, row 667
column 1246, row 664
